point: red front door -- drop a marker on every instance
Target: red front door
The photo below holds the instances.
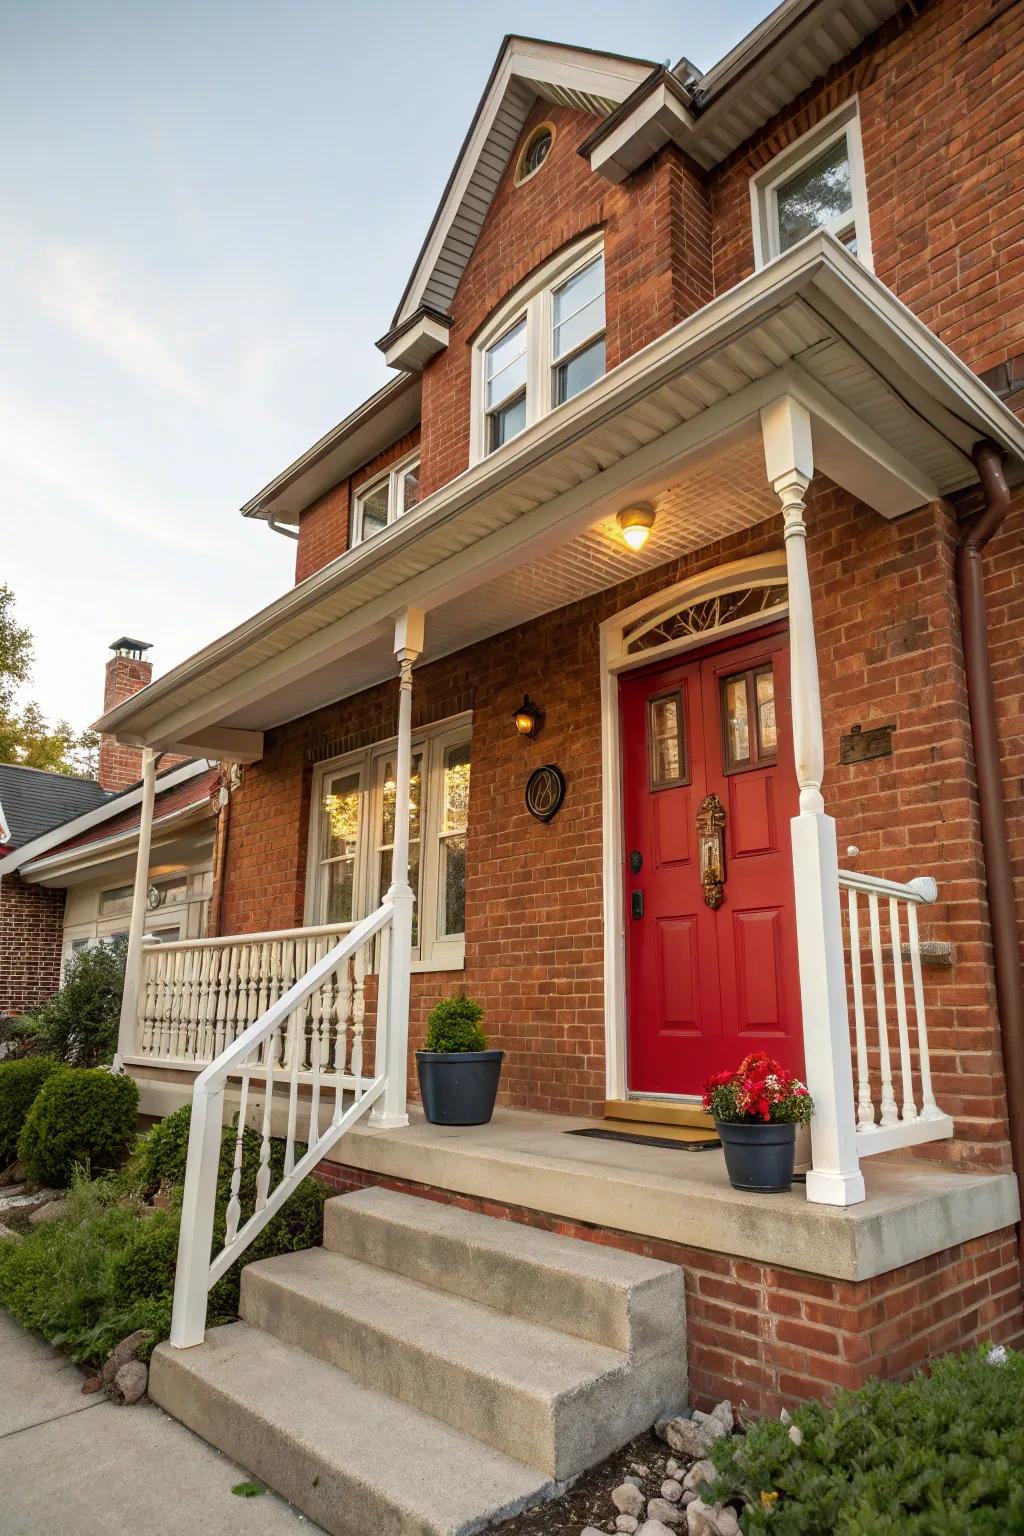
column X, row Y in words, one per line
column 706, row 984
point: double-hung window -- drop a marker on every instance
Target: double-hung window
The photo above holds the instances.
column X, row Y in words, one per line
column 352, row 838
column 387, row 496
column 542, row 347
column 817, row 183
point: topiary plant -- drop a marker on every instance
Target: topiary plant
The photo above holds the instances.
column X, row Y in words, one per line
column 20, row 1082
column 456, row 1024
column 81, row 1117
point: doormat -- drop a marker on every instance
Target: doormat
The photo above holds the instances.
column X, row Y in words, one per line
column 700, row 1141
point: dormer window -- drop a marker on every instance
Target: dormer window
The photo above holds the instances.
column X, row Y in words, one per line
column 541, row 349
column 817, row 183
column 387, row 496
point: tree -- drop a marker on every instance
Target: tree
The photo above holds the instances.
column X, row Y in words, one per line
column 26, row 736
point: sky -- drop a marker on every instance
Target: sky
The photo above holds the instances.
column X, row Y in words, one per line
column 208, row 212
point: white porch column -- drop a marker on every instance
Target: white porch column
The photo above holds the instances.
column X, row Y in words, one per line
column 126, row 1034
column 392, row 1107
column 835, row 1177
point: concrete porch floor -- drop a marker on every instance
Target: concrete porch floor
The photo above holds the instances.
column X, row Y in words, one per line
column 525, row 1159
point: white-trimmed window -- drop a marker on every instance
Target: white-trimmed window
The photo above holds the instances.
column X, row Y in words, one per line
column 352, row 833
column 817, row 183
column 389, row 495
column 542, row 347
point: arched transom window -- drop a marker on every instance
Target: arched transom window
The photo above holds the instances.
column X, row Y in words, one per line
column 701, row 616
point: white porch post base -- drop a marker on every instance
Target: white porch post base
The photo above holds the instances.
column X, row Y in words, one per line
column 128, row 1023
column 391, row 1112
column 835, row 1177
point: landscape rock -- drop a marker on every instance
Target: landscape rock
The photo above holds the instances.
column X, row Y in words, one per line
column 627, row 1523
column 9, row 1232
column 92, row 1385
column 24, row 1204
column 641, row 1471
column 728, row 1524
column 661, row 1509
column 700, row 1472
column 628, row 1499
column 689, row 1494
column 723, row 1413
column 122, row 1353
column 796, row 1434
column 671, row 1490
column 131, row 1381
column 655, row 1528
column 53, row 1210
column 701, row 1519
column 661, row 1427
column 693, row 1438
column 591, row 1530
column 14, row 1173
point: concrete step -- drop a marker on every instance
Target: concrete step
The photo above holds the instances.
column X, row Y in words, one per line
column 556, row 1402
column 350, row 1457
column 602, row 1294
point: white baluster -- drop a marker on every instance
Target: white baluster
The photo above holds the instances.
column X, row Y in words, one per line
column 358, row 1017
column 343, row 1008
column 294, row 1057
column 889, row 1113
column 908, row 1109
column 929, row 1109
column 865, row 1107
column 263, row 1175
column 234, row 1209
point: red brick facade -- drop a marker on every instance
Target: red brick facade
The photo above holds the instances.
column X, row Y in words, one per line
column 31, row 934
column 767, row 1337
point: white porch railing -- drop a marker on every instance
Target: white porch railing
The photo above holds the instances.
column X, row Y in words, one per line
column 298, row 1041
column 196, row 996
column 881, row 935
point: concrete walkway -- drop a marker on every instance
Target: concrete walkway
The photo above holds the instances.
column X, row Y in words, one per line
column 78, row 1464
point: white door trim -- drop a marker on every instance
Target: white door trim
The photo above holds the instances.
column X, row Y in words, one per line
column 756, row 570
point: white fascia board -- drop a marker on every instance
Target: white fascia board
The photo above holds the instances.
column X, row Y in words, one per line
column 659, row 119
column 94, row 818
column 819, row 270
column 418, row 343
column 105, row 848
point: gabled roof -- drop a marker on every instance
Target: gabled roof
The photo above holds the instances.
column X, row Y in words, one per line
column 525, row 68
column 34, row 801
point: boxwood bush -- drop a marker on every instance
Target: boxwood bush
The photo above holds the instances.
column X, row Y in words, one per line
column 456, row 1024
column 81, row 1117
column 941, row 1455
column 20, row 1082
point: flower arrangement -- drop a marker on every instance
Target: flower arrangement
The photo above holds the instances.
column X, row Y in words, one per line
column 760, row 1091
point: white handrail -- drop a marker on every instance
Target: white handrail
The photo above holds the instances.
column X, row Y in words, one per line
column 297, row 1043
column 879, row 991
column 220, row 941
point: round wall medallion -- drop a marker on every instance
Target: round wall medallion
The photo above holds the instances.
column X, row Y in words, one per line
column 545, row 791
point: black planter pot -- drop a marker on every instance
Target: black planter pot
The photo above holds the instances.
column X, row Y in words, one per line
column 458, row 1087
column 758, row 1156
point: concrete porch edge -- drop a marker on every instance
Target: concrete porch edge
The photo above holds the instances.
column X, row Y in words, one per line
column 524, row 1158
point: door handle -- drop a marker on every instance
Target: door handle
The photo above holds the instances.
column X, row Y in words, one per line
column 636, row 904
column 711, row 843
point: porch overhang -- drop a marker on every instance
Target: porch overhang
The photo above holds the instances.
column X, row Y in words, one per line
column 894, row 416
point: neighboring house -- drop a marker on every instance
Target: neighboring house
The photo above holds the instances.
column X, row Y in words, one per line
column 703, row 385
column 70, row 850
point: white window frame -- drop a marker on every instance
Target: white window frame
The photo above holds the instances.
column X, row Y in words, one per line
column 434, row 951
column 394, row 478
column 843, row 123
column 534, row 301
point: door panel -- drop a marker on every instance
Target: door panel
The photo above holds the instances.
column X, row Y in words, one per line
column 704, row 986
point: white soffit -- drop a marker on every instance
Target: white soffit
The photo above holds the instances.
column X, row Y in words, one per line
column 525, row 69
column 894, row 415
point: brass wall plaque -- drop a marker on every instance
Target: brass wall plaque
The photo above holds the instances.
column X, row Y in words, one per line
column 711, row 841
column 860, row 745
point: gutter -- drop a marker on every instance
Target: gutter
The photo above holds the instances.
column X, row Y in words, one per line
column 66, row 861
column 984, row 730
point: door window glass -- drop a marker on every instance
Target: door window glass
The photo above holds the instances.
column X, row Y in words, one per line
column 666, row 744
column 749, row 733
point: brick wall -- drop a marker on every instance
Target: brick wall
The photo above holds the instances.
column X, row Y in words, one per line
column 31, row 930
column 1004, row 585
column 324, row 528
column 889, row 654
column 767, row 1337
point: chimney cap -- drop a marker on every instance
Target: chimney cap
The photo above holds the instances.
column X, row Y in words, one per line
column 126, row 646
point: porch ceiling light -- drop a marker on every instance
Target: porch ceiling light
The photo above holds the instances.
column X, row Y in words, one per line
column 528, row 717
column 636, row 524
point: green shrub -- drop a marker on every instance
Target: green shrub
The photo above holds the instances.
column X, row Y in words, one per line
column 456, row 1024
column 78, row 1025
column 940, row 1455
column 20, row 1081
column 81, row 1116
column 163, row 1151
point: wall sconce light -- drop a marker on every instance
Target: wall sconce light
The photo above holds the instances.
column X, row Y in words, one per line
column 528, row 717
column 636, row 524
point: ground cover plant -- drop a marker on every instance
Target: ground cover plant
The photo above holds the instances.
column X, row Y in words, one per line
column 107, row 1266
column 940, row 1455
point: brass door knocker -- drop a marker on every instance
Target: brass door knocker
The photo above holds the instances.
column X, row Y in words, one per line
column 711, row 841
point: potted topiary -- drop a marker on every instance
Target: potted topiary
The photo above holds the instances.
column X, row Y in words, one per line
column 458, row 1074
column 757, row 1109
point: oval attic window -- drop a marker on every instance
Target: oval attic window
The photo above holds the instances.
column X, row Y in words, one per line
column 535, row 152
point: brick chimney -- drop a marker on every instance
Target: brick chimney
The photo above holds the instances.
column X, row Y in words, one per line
column 128, row 670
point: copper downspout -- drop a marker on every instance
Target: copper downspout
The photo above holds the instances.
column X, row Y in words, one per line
column 998, row 873
column 213, row 925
